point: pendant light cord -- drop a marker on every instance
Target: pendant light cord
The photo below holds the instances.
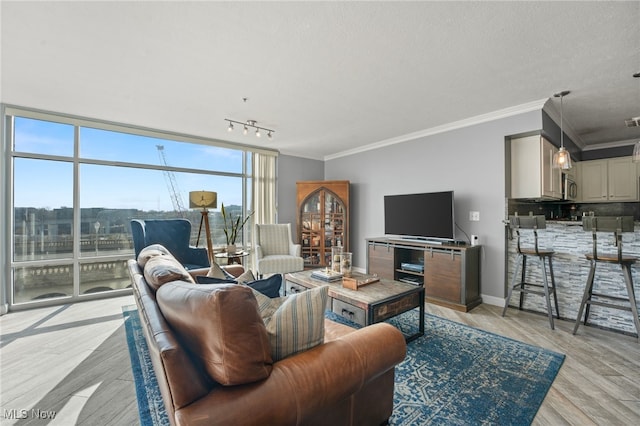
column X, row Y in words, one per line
column 561, row 122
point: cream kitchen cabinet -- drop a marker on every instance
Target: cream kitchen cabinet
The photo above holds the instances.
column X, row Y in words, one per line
column 613, row 179
column 532, row 171
column 594, row 180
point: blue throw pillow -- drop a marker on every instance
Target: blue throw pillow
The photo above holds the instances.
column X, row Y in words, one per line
column 203, row 279
column 268, row 286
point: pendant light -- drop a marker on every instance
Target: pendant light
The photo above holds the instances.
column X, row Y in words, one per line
column 562, row 158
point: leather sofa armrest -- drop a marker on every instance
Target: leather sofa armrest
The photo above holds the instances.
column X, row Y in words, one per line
column 198, row 272
column 235, row 270
column 303, row 384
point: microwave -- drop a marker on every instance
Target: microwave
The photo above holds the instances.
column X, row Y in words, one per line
column 569, row 188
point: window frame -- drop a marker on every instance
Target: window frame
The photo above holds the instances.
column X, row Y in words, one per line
column 77, row 260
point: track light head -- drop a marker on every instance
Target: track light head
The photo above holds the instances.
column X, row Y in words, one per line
column 250, row 123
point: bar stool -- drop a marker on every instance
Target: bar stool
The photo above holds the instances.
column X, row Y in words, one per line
column 617, row 225
column 533, row 223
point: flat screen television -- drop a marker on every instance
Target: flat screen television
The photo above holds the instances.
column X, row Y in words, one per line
column 423, row 216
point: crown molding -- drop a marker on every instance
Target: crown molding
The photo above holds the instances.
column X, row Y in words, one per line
column 478, row 119
column 608, row 145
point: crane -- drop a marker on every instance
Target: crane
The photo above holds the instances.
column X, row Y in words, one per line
column 172, row 185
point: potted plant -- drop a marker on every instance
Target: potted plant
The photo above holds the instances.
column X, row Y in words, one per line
column 232, row 227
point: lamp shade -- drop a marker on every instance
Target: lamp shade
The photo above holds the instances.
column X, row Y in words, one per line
column 562, row 159
column 203, row 200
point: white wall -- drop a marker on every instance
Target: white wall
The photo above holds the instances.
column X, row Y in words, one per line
column 469, row 161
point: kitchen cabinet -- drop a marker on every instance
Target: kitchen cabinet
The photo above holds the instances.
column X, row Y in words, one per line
column 593, row 175
column 323, row 219
column 532, row 173
column 613, row 179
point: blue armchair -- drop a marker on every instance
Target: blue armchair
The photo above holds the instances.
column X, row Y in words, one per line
column 174, row 235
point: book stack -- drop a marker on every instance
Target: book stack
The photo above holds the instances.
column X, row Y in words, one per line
column 326, row 275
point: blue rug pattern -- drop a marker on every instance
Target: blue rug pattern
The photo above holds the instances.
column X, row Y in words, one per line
column 150, row 404
column 453, row 375
column 460, row 375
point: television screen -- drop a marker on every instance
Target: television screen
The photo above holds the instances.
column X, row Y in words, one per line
column 426, row 215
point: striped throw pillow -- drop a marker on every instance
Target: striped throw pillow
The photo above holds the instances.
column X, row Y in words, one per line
column 294, row 323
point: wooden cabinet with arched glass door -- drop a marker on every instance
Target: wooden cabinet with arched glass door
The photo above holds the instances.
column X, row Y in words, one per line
column 323, row 220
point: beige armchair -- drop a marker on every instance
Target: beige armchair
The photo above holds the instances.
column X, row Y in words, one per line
column 275, row 251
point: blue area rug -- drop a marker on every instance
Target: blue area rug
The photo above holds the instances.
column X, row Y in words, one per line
column 150, row 404
column 453, row 375
column 460, row 375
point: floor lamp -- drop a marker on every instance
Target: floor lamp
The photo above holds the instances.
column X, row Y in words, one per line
column 204, row 200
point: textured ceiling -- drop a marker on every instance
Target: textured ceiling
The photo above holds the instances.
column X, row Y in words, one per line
column 328, row 77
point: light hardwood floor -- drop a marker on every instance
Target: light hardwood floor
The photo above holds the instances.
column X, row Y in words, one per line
column 73, row 360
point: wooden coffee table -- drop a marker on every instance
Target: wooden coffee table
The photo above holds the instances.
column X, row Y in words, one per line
column 369, row 304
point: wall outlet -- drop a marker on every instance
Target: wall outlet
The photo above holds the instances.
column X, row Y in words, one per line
column 474, row 216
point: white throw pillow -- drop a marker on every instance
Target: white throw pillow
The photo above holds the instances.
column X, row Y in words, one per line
column 215, row 271
column 246, row 277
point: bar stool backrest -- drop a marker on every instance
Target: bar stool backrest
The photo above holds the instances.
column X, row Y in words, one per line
column 527, row 222
column 615, row 224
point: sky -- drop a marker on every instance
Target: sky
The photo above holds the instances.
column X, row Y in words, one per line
column 49, row 184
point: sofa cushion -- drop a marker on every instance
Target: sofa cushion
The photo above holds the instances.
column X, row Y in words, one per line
column 151, row 251
column 268, row 286
column 294, row 323
column 162, row 269
column 221, row 326
column 203, row 279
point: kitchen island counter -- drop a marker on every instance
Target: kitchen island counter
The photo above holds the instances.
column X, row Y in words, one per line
column 570, row 243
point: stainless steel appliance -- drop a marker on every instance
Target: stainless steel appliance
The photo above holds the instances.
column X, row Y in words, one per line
column 569, row 188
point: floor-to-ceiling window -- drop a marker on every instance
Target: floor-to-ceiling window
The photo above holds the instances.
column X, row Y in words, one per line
column 74, row 185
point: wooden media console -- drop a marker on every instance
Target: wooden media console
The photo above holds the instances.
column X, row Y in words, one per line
column 450, row 273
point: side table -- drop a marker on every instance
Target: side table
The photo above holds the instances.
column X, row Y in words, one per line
column 233, row 258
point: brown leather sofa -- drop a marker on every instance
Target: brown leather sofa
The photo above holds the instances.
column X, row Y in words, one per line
column 347, row 380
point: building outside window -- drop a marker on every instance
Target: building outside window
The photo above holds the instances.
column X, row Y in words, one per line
column 75, row 185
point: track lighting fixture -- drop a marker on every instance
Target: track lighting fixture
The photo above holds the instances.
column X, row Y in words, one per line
column 562, row 158
column 250, row 123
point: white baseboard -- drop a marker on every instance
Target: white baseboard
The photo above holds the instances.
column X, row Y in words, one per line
column 492, row 300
